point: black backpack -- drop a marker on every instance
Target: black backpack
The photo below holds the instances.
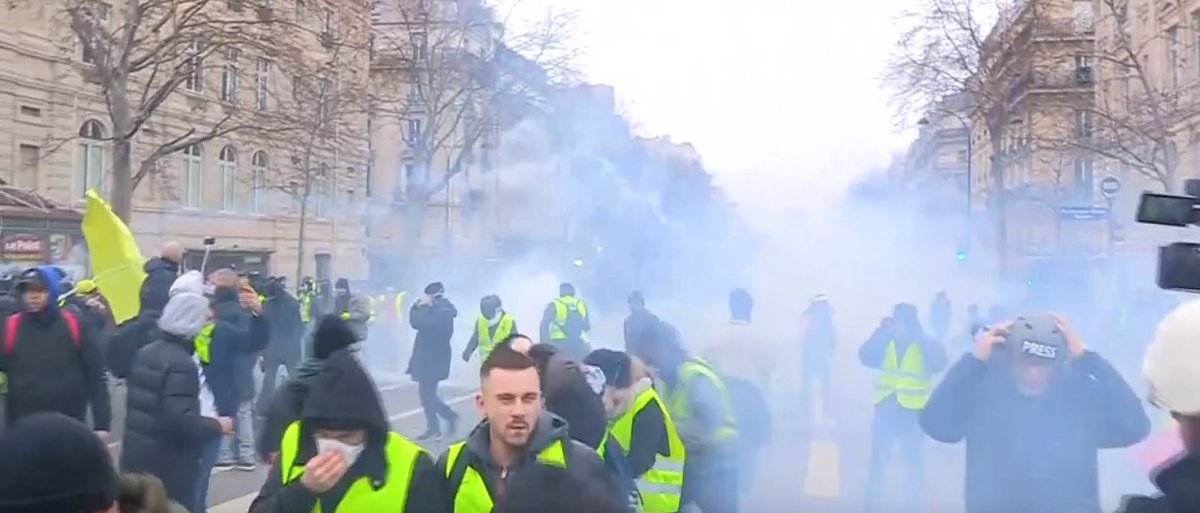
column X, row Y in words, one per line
column 573, row 326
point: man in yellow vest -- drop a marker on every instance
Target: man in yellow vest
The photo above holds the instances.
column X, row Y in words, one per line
column 343, row 457
column 906, row 360
column 566, row 323
column 699, row 403
column 493, row 326
column 515, row 435
column 644, row 430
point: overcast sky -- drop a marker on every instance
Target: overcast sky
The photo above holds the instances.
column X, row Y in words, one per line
column 781, row 97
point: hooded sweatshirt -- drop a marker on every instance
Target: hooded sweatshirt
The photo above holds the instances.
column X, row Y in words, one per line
column 1179, row 482
column 1034, row 454
column 47, row 371
column 582, row 461
column 343, row 392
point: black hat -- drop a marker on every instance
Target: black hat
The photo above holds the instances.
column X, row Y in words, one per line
column 435, row 288
column 331, row 335
column 343, row 397
column 52, row 463
column 342, row 283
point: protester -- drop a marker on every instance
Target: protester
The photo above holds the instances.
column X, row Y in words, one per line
column 161, row 272
column 355, row 309
column 236, row 302
column 52, row 463
column 344, row 454
column 639, row 321
column 282, row 312
column 331, row 335
column 549, row 489
column 165, row 430
column 50, row 358
column 433, row 318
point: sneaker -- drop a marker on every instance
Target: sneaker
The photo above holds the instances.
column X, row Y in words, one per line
column 225, row 465
column 246, row 466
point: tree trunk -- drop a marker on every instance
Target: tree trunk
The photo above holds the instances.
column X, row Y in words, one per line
column 121, row 197
column 300, row 237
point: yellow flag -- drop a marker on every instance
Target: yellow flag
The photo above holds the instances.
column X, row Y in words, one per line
column 116, row 260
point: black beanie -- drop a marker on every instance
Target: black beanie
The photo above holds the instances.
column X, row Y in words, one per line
column 51, row 463
column 332, row 335
column 342, row 283
column 343, row 396
column 435, row 288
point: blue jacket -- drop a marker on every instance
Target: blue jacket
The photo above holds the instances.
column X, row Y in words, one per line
column 1034, row 454
column 233, row 329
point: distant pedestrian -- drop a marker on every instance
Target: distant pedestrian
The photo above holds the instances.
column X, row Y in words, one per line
column 161, row 272
column 433, row 318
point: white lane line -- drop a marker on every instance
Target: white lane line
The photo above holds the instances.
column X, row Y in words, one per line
column 242, row 504
column 399, row 386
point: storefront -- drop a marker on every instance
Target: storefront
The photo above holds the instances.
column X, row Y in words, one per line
column 35, row 231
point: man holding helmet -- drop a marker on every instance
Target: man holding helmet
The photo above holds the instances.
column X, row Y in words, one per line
column 1034, row 406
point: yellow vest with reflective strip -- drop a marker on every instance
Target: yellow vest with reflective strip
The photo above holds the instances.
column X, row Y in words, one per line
column 662, row 485
column 471, row 495
column 398, row 304
column 305, row 305
column 362, row 496
column 679, row 403
column 487, row 340
column 371, row 304
column 203, row 341
column 905, row 378
column 561, row 308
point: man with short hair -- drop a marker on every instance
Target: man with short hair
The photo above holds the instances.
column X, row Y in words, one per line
column 514, row 436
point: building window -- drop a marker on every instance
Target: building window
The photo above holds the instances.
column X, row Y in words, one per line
column 414, row 131
column 420, row 46
column 962, row 156
column 1083, row 124
column 1084, row 66
column 195, row 78
column 1173, row 55
column 228, row 164
column 321, row 192
column 1083, row 178
column 98, row 14
column 193, row 166
column 300, row 11
column 262, row 81
column 229, row 76
column 298, row 89
column 31, row 158
column 89, row 158
column 327, row 22
column 258, row 181
column 325, row 102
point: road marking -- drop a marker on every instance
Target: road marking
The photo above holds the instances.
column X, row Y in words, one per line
column 242, row 504
column 822, row 477
column 114, row 445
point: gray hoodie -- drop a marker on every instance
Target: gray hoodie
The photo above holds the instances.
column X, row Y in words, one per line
column 581, row 460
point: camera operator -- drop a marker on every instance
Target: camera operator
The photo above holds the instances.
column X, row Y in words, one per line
column 1034, row 406
column 1172, row 369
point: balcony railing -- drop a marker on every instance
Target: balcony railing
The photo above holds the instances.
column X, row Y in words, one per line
column 1078, row 79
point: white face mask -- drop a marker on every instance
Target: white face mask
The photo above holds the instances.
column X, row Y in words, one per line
column 350, row 453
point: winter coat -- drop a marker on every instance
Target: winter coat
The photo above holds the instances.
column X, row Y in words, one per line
column 1034, row 454
column 356, row 311
column 1179, row 483
column 582, row 461
column 343, row 391
column 431, row 353
column 282, row 312
column 164, row 431
column 638, row 325
column 48, row 372
column 234, row 339
column 160, row 274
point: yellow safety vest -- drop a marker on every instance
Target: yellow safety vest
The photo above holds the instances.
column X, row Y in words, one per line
column 203, row 341
column 398, row 304
column 561, row 307
column 487, row 340
column 680, row 406
column 905, row 378
column 371, row 305
column 661, row 487
column 305, row 305
column 362, row 496
column 471, row 494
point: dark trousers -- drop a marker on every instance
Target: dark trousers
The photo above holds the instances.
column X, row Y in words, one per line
column 270, row 369
column 712, row 485
column 434, row 406
column 894, row 425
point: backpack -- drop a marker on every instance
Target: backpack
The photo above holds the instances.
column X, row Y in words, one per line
column 572, row 327
column 14, row 322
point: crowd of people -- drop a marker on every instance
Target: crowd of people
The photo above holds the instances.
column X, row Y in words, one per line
column 651, row 427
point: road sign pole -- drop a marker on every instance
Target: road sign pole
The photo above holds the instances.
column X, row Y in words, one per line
column 1109, row 187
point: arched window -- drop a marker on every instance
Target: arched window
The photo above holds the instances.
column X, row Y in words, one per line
column 193, row 166
column 258, row 181
column 89, row 158
column 320, row 192
column 227, row 161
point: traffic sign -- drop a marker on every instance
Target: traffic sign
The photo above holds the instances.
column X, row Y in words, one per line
column 1110, row 186
column 1079, row 213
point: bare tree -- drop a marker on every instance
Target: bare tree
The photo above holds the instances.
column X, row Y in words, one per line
column 140, row 53
column 980, row 50
column 1141, row 108
column 453, row 79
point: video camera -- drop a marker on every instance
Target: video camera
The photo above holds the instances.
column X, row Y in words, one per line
column 1178, row 262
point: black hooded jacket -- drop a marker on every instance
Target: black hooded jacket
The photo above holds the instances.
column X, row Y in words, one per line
column 156, row 288
column 342, row 391
column 1179, row 482
column 1034, row 454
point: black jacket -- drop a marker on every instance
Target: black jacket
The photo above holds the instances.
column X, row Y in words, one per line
column 431, row 353
column 235, row 337
column 343, row 391
column 638, row 325
column 164, row 430
column 282, row 312
column 48, row 372
column 1034, row 455
column 155, row 291
column 1179, row 482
